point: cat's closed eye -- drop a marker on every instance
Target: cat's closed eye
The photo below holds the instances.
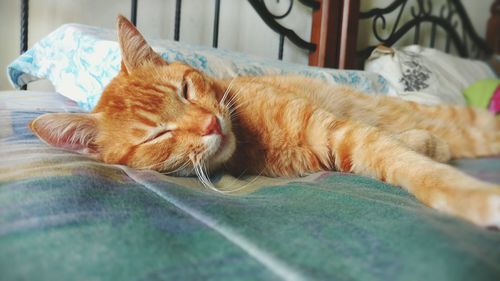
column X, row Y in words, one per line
column 185, row 90
column 156, row 135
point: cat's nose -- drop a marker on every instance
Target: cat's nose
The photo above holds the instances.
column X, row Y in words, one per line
column 212, row 126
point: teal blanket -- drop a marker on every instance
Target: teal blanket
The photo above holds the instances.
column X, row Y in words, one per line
column 66, row 217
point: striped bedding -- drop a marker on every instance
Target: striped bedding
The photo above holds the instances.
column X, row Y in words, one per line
column 66, row 217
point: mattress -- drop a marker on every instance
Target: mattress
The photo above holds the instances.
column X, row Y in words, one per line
column 66, row 217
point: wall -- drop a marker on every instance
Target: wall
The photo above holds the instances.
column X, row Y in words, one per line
column 240, row 28
column 478, row 11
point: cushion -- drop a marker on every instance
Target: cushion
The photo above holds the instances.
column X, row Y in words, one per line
column 427, row 75
column 479, row 94
column 495, row 101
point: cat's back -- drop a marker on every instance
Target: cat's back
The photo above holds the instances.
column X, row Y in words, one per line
column 334, row 98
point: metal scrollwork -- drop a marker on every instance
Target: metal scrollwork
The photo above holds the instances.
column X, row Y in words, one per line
column 422, row 11
column 271, row 20
column 448, row 13
column 380, row 17
column 451, row 18
column 285, row 14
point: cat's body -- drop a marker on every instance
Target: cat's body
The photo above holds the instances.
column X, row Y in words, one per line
column 286, row 103
column 173, row 118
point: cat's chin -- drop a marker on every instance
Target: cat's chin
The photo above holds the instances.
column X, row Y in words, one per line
column 219, row 149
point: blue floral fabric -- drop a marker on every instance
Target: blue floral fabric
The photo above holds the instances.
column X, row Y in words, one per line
column 80, row 61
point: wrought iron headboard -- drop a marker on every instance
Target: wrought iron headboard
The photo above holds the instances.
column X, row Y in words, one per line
column 335, row 27
column 452, row 18
column 259, row 5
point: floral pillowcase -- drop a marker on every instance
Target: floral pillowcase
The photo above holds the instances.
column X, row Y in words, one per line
column 427, row 75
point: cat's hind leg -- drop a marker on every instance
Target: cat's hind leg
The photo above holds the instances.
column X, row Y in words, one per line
column 469, row 132
column 468, row 116
column 351, row 146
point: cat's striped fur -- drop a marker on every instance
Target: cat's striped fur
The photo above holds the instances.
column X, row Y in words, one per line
column 173, row 118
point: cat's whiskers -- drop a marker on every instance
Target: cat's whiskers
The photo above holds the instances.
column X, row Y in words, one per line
column 203, row 177
column 232, row 101
column 232, row 104
column 233, row 113
column 229, row 87
column 236, row 95
column 236, row 179
column 183, row 166
column 161, row 164
column 239, row 105
column 200, row 170
column 225, row 105
column 245, row 185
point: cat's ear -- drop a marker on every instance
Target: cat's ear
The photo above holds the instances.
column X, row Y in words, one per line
column 72, row 131
column 135, row 50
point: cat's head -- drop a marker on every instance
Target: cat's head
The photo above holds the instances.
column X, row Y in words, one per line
column 153, row 115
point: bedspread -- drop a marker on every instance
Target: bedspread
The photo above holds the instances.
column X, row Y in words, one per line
column 66, row 217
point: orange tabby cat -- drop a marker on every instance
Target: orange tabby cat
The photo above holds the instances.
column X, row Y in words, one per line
column 172, row 117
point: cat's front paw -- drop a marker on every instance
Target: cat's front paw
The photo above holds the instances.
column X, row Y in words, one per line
column 480, row 206
column 496, row 144
column 494, row 219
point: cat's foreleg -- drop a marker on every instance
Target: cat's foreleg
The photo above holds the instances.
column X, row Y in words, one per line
column 425, row 143
column 463, row 140
column 469, row 132
column 350, row 146
column 465, row 116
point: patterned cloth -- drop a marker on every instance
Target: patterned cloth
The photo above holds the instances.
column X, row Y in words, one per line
column 66, row 217
column 495, row 101
column 427, row 75
column 80, row 61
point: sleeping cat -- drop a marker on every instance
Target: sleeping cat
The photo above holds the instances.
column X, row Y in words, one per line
column 174, row 118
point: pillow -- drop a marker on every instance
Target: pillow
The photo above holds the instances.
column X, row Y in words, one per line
column 495, row 102
column 482, row 94
column 427, row 75
column 80, row 61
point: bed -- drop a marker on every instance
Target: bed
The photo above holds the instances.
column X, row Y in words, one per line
column 66, row 217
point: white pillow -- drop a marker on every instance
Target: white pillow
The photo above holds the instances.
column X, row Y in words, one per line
column 427, row 75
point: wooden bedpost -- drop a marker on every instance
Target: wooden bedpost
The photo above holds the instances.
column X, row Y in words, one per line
column 349, row 35
column 325, row 33
column 493, row 33
column 334, row 31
